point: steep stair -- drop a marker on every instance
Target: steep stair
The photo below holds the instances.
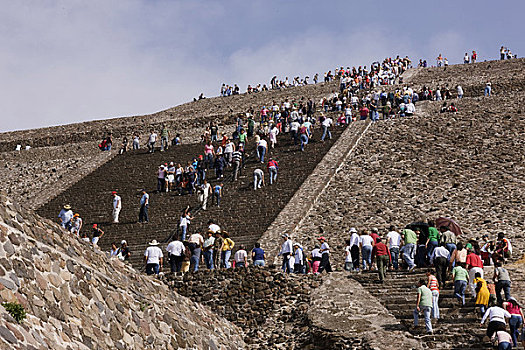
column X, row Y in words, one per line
column 245, row 214
column 458, row 326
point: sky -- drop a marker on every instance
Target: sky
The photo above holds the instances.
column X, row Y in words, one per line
column 74, row 60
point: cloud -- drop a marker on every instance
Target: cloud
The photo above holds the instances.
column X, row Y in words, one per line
column 72, row 60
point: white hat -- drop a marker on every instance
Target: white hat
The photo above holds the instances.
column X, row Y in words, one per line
column 123, row 242
column 154, row 242
column 353, row 230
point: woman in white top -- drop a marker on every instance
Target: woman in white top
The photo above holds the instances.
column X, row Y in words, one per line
column 366, row 242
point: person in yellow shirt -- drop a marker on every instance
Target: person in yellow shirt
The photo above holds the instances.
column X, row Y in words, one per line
column 483, row 294
column 226, row 252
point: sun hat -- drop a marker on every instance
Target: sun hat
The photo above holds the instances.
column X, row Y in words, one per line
column 67, row 207
column 114, row 192
column 353, row 230
column 123, row 242
column 285, row 235
column 76, row 215
column 95, row 225
column 154, row 242
column 321, row 238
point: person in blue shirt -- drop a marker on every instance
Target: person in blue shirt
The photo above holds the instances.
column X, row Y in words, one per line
column 258, row 256
column 217, row 193
column 144, row 204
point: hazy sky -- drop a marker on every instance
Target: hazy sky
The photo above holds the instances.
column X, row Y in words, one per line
column 72, row 60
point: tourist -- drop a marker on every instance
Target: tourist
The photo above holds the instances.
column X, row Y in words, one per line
column 326, row 124
column 503, row 249
column 151, row 141
column 325, row 256
column 466, row 58
column 448, row 238
column 65, row 216
column 217, row 248
column 96, row 234
column 460, row 91
column 186, row 258
column 76, row 224
column 474, row 265
column 117, row 206
column 496, row 316
column 433, row 285
column 273, row 168
column 348, row 256
column 217, row 193
column 440, row 259
column 424, row 305
column 488, row 89
column 366, row 243
column 185, row 220
column 286, row 251
column 237, row 160
column 205, row 191
column 409, row 247
column 153, row 258
column 502, row 279
column 241, row 257
column 298, row 266
column 258, row 255
column 208, row 250
column 474, row 57
column 502, row 53
column 124, row 253
column 482, row 293
column 136, row 141
column 262, row 147
column 164, row 138
column 274, row 131
column 316, row 256
column 175, row 251
column 195, row 243
column 502, row 339
column 459, row 256
column 144, row 204
column 114, row 250
column 433, row 238
column 258, row 179
column 227, row 246
column 460, row 282
column 382, row 256
column 304, row 136
column 516, row 318
column 393, row 239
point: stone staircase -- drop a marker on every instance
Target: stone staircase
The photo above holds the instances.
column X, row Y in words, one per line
column 243, row 213
column 457, row 328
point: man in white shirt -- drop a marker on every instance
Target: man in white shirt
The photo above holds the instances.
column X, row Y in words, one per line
column 286, row 250
column 258, row 179
column 496, row 316
column 195, row 244
column 206, row 191
column 208, row 250
column 366, row 242
column 394, row 243
column 151, row 141
column 175, row 253
column 241, row 257
column 153, row 258
column 440, row 258
column 262, row 146
column 326, row 124
column 65, row 216
column 213, row 227
column 117, row 205
column 410, row 108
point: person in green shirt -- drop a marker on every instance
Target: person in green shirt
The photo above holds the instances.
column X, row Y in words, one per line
column 243, row 138
column 424, row 305
column 164, row 138
column 409, row 247
column 433, row 238
column 251, row 126
column 460, row 275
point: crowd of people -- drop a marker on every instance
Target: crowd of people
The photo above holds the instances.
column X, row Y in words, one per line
column 362, row 95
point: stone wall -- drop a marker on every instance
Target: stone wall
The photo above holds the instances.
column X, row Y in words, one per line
column 76, row 298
